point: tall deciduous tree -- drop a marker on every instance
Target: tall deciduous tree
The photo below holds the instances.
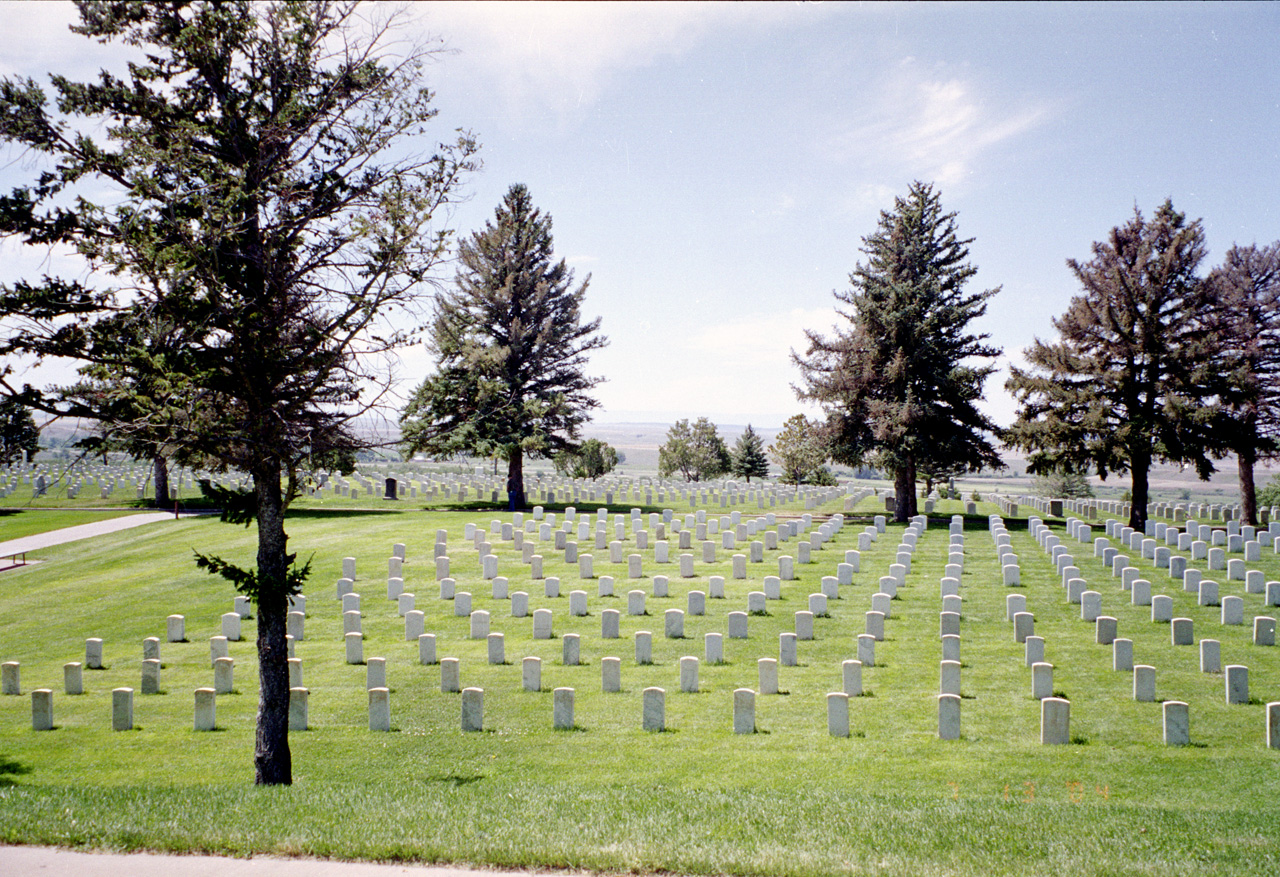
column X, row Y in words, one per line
column 800, row 449
column 593, row 459
column 1245, row 291
column 902, row 381
column 749, row 456
column 1063, row 483
column 511, row 348
column 697, row 452
column 18, row 431
column 261, row 191
column 1128, row 381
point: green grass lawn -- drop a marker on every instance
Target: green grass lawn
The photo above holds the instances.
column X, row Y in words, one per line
column 14, row 523
column 891, row 799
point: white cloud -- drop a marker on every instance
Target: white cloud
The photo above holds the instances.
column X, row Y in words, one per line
column 761, row 341
column 930, row 127
column 738, row 370
column 37, row 42
column 563, row 55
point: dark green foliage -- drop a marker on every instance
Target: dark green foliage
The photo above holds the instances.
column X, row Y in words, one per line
column 749, row 457
column 247, row 581
column 823, row 477
column 1129, row 381
column 1269, row 495
column 1245, row 292
column 697, row 452
column 593, row 459
column 903, row 380
column 237, row 506
column 510, row 346
column 18, row 431
column 261, row 236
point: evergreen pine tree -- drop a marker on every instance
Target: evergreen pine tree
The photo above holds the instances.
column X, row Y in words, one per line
column 1245, row 295
column 749, row 457
column 18, row 432
column 511, row 347
column 1129, row 381
column 902, row 381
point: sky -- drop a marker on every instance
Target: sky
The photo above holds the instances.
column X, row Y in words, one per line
column 714, row 167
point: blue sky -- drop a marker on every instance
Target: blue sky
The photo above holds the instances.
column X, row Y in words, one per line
column 714, row 167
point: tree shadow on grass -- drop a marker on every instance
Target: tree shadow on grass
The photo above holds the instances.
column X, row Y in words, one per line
column 331, row 514
column 10, row 769
column 455, row 780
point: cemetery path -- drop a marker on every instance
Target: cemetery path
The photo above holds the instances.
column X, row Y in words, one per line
column 22, row 861
column 80, row 531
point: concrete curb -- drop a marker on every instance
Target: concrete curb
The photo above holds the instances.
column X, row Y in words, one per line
column 26, row 861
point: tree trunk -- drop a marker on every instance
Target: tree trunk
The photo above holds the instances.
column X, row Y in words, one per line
column 1139, row 492
column 272, row 761
column 162, row 482
column 904, row 492
column 1248, row 493
column 914, row 505
column 515, row 480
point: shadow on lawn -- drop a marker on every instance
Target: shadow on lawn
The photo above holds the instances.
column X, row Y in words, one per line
column 455, row 780
column 10, row 769
column 328, row 514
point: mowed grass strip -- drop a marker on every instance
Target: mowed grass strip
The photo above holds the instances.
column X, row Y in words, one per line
column 698, row 799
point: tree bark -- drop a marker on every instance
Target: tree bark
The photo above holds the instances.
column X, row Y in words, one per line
column 1139, row 492
column 515, row 481
column 161, row 468
column 272, row 761
column 1248, row 491
column 904, row 491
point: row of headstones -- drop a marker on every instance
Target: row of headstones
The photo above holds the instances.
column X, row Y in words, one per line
column 1140, row 595
column 1055, row 712
column 395, row 581
column 1055, row 719
column 543, row 619
column 673, row 627
column 122, row 709
column 949, row 697
column 699, row 524
column 1207, row 591
column 1192, row 579
column 1181, row 511
column 1010, row 569
column 219, row 657
column 948, row 704
column 652, row 716
column 675, row 616
column 1008, row 505
column 725, row 494
column 579, row 599
column 490, row 569
column 42, row 484
column 949, row 631
column 1176, row 717
column 1198, row 539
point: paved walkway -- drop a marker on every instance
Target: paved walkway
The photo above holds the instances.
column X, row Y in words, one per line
column 54, row 862
column 80, row 531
